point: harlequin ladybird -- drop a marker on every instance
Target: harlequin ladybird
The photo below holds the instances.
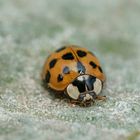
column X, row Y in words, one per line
column 76, row 72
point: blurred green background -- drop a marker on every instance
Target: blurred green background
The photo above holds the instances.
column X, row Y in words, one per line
column 30, row 30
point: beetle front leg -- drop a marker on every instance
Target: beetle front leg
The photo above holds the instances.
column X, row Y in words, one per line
column 103, row 98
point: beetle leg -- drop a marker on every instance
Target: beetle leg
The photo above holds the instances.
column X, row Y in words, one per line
column 71, row 101
column 103, row 98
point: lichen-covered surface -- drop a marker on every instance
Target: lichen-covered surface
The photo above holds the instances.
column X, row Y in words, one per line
column 30, row 30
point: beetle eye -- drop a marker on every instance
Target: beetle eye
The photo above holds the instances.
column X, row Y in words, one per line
column 81, row 97
column 93, row 94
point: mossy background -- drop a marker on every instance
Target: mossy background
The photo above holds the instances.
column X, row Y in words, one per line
column 31, row 30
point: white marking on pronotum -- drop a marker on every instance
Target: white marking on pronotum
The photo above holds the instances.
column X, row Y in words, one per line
column 80, row 78
column 73, row 91
column 83, row 77
column 97, row 86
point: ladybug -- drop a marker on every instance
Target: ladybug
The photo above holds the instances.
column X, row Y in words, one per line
column 75, row 72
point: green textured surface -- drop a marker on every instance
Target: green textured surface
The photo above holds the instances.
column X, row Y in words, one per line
column 30, row 30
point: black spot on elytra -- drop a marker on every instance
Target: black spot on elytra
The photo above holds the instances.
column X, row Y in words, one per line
column 52, row 63
column 60, row 49
column 47, row 77
column 68, row 56
column 93, row 64
column 81, row 53
column 100, row 69
column 80, row 85
column 66, row 70
column 60, row 78
column 80, row 67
